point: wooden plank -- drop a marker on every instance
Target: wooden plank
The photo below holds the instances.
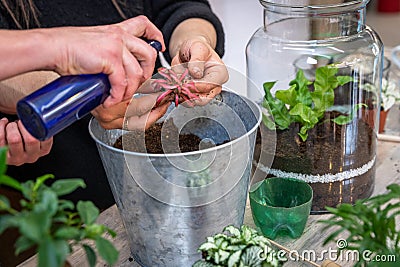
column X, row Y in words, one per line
column 388, row 171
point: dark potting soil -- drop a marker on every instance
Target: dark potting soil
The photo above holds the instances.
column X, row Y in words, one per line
column 329, row 149
column 162, row 138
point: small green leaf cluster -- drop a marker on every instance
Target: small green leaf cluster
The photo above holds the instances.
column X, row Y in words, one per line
column 53, row 225
column 239, row 248
column 370, row 224
column 300, row 104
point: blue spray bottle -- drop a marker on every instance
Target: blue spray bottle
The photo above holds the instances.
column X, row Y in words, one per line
column 67, row 99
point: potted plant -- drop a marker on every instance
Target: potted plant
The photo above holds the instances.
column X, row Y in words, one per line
column 321, row 136
column 390, row 95
column 52, row 225
column 237, row 247
column 371, row 228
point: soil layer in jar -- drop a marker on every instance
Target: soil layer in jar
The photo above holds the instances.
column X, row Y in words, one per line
column 329, row 149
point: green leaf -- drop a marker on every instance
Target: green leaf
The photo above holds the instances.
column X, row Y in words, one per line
column 234, row 258
column 201, row 263
column 322, row 100
column 301, row 81
column 4, row 203
column 111, row 232
column 3, row 160
column 87, row 211
column 276, row 108
column 67, row 232
column 8, row 221
column 342, row 120
column 342, row 80
column 47, row 254
column 251, row 256
column 325, row 78
column 47, row 202
column 22, row 244
column 288, row 96
column 267, row 88
column 65, row 204
column 10, row 182
column 66, row 186
column 305, row 113
column 395, row 189
column 232, row 230
column 268, row 122
column 223, row 255
column 63, row 249
column 90, row 255
column 107, row 250
column 207, row 246
column 35, row 225
column 27, row 189
column 40, row 181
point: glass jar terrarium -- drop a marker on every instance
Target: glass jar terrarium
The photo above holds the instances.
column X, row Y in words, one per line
column 309, row 67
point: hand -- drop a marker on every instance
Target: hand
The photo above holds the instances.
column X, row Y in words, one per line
column 22, row 147
column 115, row 50
column 136, row 114
column 205, row 66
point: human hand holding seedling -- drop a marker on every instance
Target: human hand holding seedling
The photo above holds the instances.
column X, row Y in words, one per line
column 204, row 66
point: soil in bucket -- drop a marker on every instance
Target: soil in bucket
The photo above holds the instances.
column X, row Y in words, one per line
column 329, row 149
column 154, row 144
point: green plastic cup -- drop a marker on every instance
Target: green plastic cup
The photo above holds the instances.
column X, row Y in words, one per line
column 281, row 206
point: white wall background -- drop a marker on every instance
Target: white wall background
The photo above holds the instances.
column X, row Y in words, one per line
column 240, row 18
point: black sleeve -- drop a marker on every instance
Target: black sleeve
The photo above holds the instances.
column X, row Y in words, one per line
column 168, row 14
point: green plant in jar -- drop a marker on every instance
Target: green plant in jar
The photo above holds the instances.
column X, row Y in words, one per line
column 300, row 104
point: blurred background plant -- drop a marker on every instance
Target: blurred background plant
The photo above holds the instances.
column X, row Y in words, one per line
column 371, row 225
column 51, row 225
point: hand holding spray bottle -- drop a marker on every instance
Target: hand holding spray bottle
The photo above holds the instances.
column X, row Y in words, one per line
column 67, row 99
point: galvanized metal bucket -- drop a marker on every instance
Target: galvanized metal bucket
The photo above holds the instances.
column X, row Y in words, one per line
column 171, row 202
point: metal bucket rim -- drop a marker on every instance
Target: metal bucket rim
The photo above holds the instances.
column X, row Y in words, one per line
column 254, row 128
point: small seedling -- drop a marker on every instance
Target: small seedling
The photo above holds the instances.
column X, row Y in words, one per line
column 178, row 87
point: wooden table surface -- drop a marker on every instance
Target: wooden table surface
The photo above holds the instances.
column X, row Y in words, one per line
column 388, row 171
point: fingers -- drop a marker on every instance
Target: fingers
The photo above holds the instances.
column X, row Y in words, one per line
column 134, row 74
column 141, row 105
column 117, row 50
column 144, row 121
column 3, row 124
column 205, row 66
column 22, row 147
column 32, row 146
column 111, row 117
column 15, row 145
column 142, row 26
column 197, row 54
column 142, row 112
column 138, row 58
column 138, row 113
column 144, row 54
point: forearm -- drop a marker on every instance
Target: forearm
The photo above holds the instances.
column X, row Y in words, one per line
column 23, row 51
column 13, row 89
column 192, row 29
